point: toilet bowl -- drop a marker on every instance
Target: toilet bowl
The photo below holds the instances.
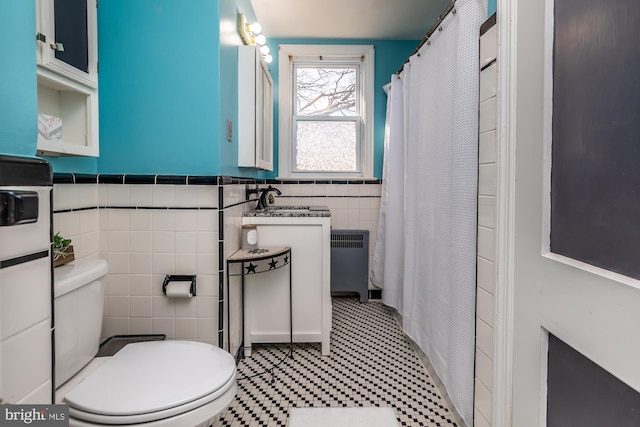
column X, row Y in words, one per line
column 154, row 383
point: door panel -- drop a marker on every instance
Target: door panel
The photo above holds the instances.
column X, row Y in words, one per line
column 592, row 310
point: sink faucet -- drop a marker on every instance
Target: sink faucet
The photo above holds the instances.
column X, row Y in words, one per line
column 262, row 201
column 263, row 193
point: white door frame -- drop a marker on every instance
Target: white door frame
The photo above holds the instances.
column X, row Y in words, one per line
column 506, row 19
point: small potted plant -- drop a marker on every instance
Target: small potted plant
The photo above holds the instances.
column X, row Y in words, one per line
column 62, row 250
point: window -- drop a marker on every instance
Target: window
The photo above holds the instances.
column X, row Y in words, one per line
column 326, row 111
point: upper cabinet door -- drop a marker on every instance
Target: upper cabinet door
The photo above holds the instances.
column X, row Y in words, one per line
column 264, row 118
column 255, row 110
column 70, row 18
column 67, row 38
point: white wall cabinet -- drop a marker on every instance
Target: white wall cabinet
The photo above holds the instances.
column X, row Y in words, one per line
column 255, row 110
column 66, row 54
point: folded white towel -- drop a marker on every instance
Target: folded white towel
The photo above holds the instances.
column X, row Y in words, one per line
column 342, row 417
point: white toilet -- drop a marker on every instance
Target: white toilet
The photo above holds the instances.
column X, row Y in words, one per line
column 154, row 383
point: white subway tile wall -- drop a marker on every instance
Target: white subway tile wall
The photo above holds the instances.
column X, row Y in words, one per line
column 232, row 195
column 81, row 226
column 486, row 268
column 483, row 401
column 352, row 206
column 148, row 231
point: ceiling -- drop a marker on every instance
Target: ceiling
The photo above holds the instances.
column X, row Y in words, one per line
column 348, row 19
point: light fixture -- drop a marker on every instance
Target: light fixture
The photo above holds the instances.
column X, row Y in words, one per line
column 250, row 34
column 243, row 29
column 255, row 28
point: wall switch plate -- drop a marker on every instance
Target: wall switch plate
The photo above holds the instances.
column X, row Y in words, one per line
column 229, row 131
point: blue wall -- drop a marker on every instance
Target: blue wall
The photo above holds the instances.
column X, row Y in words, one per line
column 159, row 87
column 229, row 41
column 389, row 57
column 168, row 84
column 164, row 108
column 18, row 93
column 493, row 6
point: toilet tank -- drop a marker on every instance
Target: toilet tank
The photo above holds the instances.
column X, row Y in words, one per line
column 78, row 304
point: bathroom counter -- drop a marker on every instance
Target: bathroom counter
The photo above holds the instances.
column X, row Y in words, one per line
column 290, row 212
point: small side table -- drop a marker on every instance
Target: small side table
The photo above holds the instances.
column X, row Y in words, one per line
column 256, row 261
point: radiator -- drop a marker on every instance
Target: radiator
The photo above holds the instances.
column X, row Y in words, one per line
column 350, row 262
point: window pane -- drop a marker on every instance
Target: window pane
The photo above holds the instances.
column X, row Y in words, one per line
column 326, row 146
column 326, row 91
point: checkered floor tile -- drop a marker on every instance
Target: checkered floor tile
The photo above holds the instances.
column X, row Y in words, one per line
column 371, row 364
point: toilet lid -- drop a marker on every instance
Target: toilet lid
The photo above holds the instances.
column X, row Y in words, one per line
column 153, row 376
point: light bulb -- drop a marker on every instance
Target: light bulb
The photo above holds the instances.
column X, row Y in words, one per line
column 261, row 39
column 264, row 50
column 268, row 59
column 255, row 28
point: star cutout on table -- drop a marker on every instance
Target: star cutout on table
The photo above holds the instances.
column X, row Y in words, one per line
column 251, row 268
column 258, row 251
column 272, row 264
column 286, row 259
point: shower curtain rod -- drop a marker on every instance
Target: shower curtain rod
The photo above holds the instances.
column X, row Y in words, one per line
column 450, row 8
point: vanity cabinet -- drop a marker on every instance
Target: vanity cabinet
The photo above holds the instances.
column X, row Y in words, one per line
column 255, row 110
column 67, row 75
column 266, row 295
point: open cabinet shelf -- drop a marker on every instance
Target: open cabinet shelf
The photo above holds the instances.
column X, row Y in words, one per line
column 77, row 106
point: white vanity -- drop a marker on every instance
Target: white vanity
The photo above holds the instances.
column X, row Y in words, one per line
column 307, row 231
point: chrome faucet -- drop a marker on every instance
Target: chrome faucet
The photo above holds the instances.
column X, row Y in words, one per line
column 263, row 193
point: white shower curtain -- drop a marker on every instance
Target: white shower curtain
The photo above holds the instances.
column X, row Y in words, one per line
column 390, row 250
column 425, row 253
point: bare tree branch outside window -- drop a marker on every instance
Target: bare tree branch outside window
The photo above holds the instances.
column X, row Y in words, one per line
column 326, row 91
column 326, row 136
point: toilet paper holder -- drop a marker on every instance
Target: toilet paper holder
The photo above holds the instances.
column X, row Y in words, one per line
column 179, row 278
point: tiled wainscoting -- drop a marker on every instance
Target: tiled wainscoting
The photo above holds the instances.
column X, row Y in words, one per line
column 76, row 217
column 148, row 230
column 233, row 202
column 487, row 229
column 353, row 206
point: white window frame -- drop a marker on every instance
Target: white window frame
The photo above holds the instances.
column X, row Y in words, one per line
column 311, row 54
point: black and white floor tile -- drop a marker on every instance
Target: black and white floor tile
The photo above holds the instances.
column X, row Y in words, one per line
column 371, row 364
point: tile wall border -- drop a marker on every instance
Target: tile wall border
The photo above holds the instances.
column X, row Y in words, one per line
column 73, row 178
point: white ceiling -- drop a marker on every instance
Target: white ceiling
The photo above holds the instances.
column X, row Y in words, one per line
column 357, row 19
